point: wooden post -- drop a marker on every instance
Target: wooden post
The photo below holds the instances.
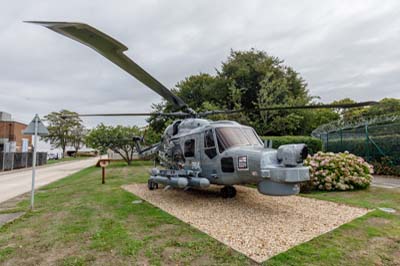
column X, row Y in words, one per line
column 103, row 163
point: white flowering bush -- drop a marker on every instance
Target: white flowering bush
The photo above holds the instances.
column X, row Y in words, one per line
column 338, row 171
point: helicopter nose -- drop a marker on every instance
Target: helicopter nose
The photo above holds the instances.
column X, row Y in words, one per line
column 282, row 170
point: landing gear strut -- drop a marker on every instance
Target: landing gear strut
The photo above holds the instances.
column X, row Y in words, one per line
column 228, row 192
column 152, row 185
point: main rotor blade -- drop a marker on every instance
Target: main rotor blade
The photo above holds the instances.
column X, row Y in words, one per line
column 320, row 106
column 113, row 50
column 274, row 108
column 176, row 114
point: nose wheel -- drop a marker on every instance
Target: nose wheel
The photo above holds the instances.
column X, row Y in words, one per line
column 152, row 185
column 228, row 192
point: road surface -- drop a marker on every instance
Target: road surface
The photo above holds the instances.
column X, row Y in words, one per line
column 386, row 181
column 17, row 182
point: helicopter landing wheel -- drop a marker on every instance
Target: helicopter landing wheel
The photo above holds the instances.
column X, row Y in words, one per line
column 228, row 192
column 152, row 185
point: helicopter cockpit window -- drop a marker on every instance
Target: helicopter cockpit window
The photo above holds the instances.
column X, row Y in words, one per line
column 252, row 136
column 189, row 148
column 175, row 128
column 209, row 144
column 236, row 136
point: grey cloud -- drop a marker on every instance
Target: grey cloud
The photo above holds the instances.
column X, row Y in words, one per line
column 341, row 48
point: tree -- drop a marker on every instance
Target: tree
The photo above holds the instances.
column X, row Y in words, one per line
column 349, row 114
column 264, row 81
column 60, row 126
column 119, row 139
column 77, row 139
column 151, row 136
column 247, row 80
column 317, row 117
column 386, row 106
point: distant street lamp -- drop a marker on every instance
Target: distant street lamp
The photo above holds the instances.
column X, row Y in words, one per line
column 35, row 128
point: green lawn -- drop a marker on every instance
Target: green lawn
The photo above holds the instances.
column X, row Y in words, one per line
column 373, row 239
column 78, row 221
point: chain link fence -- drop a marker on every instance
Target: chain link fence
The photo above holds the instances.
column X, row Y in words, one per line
column 377, row 140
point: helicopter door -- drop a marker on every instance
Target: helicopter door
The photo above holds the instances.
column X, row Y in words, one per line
column 209, row 154
column 191, row 152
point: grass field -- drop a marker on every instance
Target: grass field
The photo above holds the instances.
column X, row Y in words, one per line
column 78, row 221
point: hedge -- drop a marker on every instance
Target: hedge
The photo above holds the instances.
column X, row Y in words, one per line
column 314, row 145
column 389, row 144
column 385, row 166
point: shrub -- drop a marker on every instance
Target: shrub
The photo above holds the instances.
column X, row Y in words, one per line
column 385, row 166
column 314, row 145
column 340, row 171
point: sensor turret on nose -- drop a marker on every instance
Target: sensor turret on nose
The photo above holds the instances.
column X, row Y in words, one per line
column 292, row 154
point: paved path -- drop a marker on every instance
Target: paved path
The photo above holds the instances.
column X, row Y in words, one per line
column 9, row 217
column 15, row 183
column 386, row 182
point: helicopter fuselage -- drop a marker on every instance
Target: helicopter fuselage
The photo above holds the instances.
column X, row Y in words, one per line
column 227, row 153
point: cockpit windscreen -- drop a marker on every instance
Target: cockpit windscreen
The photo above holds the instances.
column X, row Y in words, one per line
column 236, row 136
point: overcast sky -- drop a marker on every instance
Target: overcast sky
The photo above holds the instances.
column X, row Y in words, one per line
column 341, row 48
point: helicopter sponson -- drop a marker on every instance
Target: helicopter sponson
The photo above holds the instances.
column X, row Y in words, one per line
column 200, row 152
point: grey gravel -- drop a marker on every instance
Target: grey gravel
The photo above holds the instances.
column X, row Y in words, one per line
column 259, row 226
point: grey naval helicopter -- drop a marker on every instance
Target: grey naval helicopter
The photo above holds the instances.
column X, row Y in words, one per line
column 196, row 152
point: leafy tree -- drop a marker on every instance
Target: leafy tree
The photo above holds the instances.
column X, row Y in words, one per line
column 197, row 89
column 317, row 117
column 386, row 106
column 60, row 126
column 157, row 123
column 151, row 136
column 247, row 80
column 264, row 81
column 77, row 140
column 119, row 139
column 349, row 114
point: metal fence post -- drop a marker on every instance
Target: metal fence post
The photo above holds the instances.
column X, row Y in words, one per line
column 320, row 137
column 12, row 160
column 366, row 142
column 4, row 156
column 327, row 141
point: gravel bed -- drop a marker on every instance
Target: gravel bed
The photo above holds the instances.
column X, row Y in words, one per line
column 256, row 225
